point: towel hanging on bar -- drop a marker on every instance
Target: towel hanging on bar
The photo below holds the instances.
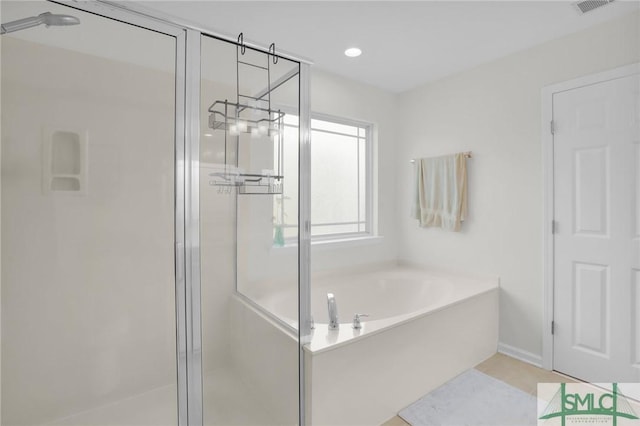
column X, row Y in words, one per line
column 440, row 197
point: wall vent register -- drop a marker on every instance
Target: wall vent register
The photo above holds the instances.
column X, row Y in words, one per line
column 589, row 5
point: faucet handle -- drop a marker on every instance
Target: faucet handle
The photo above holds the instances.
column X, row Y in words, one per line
column 356, row 321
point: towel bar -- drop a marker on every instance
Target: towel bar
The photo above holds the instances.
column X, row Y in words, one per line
column 466, row 155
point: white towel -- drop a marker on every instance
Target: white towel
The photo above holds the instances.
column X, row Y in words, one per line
column 441, row 192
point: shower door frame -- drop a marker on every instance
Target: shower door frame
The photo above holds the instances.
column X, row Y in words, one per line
column 182, row 243
column 186, row 194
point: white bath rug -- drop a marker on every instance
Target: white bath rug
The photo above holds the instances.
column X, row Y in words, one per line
column 473, row 399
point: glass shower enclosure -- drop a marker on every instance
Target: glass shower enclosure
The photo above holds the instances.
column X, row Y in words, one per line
column 247, row 96
column 145, row 274
column 88, row 288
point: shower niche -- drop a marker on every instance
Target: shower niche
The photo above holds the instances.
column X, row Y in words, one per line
column 252, row 128
column 64, row 161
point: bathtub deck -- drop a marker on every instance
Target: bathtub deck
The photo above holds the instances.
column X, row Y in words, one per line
column 464, row 288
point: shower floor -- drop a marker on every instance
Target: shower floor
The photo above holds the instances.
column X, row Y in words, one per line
column 227, row 401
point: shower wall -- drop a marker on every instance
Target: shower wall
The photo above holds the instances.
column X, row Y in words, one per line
column 217, row 240
column 88, row 294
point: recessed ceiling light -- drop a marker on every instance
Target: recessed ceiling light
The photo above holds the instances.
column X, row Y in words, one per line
column 353, row 52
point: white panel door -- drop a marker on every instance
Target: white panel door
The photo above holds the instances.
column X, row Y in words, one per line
column 597, row 236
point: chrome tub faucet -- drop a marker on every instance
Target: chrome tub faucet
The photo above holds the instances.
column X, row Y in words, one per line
column 333, row 312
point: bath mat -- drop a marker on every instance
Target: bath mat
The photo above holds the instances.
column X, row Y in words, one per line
column 471, row 399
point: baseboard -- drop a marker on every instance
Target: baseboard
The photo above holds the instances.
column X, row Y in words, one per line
column 520, row 354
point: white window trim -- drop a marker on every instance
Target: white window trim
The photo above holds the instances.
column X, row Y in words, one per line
column 292, row 245
column 368, row 161
column 369, row 235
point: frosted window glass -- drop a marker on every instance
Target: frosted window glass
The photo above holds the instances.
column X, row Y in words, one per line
column 340, row 179
column 334, row 178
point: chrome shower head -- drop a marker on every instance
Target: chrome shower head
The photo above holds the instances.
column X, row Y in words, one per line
column 47, row 18
column 50, row 19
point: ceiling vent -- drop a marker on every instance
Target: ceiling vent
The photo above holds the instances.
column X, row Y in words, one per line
column 589, row 5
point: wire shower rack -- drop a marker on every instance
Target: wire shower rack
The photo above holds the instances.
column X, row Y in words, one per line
column 252, row 115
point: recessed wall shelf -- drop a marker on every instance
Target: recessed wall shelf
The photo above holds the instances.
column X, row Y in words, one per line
column 64, row 161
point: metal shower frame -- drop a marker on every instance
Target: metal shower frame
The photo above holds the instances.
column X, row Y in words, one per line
column 187, row 207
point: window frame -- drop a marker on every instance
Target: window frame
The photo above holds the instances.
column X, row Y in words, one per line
column 367, row 162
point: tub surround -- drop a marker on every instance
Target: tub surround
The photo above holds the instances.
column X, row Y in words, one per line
column 265, row 352
column 446, row 326
column 387, row 371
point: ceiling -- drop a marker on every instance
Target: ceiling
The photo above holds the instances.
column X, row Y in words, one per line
column 404, row 43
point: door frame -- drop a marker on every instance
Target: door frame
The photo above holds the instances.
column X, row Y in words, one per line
column 548, row 192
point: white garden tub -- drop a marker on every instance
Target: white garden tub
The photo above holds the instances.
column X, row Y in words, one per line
column 424, row 328
column 390, row 296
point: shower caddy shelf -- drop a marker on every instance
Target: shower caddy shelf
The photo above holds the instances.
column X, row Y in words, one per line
column 253, row 116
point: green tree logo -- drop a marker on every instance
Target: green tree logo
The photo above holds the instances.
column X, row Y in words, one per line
column 565, row 404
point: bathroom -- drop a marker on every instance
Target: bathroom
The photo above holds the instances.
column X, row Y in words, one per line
column 155, row 264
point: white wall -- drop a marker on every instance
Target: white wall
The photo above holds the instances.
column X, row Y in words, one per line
column 494, row 110
column 270, row 267
column 338, row 96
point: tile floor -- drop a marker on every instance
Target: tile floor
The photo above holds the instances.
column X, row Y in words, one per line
column 516, row 373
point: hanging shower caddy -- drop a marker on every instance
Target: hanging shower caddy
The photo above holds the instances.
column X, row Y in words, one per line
column 254, row 116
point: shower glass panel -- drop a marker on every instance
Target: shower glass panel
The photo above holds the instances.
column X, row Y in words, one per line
column 87, row 215
column 249, row 270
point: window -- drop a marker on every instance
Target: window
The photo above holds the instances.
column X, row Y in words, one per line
column 341, row 179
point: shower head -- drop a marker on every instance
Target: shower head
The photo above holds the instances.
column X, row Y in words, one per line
column 47, row 18
column 59, row 20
